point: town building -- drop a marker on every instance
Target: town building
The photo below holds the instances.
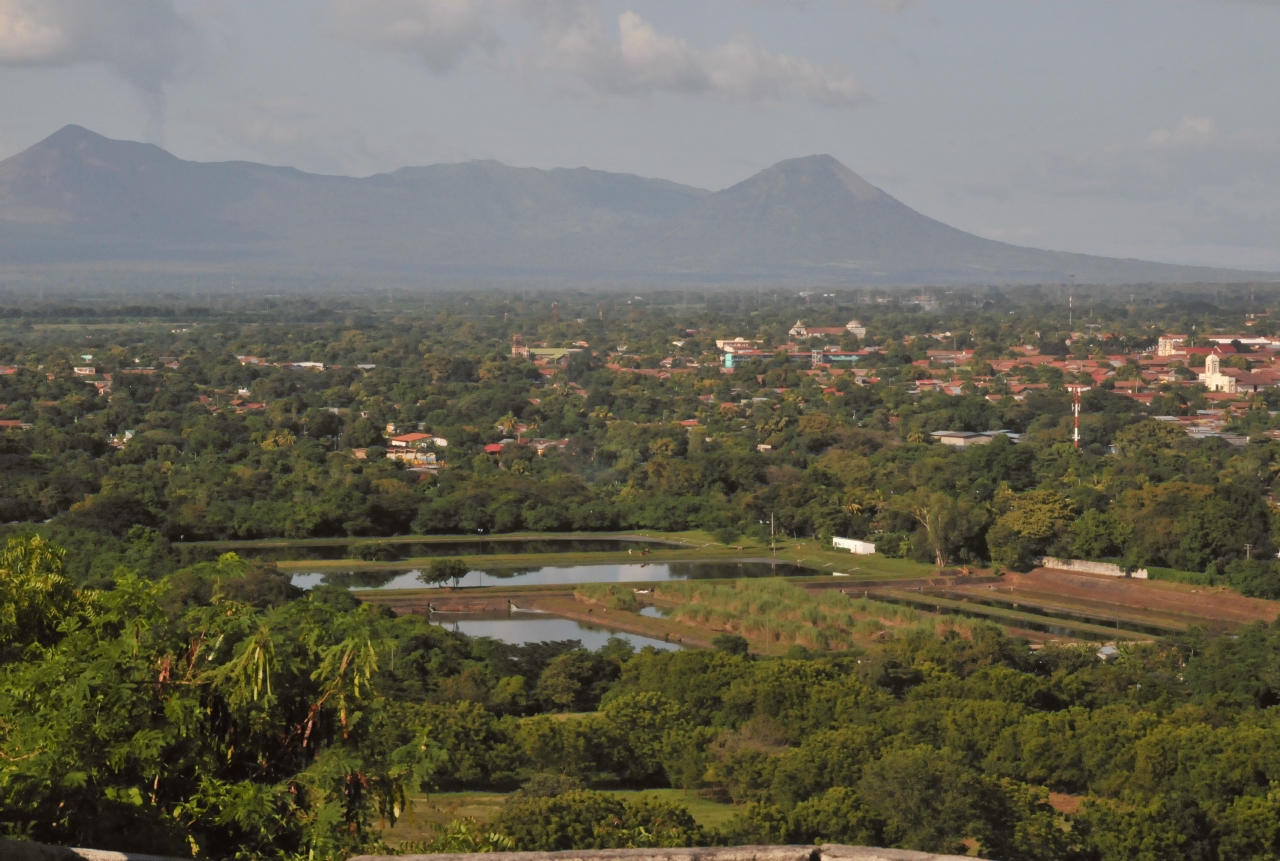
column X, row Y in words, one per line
column 966, row 439
column 1213, row 378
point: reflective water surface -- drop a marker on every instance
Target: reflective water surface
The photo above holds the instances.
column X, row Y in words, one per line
column 537, row 575
column 390, row 551
column 539, row 629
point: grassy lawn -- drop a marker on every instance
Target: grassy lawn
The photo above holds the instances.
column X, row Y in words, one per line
column 442, row 807
column 708, row 813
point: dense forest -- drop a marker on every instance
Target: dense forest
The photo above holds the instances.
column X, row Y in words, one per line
column 159, row 698
column 217, row 712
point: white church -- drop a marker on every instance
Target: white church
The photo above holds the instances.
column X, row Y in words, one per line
column 1213, row 378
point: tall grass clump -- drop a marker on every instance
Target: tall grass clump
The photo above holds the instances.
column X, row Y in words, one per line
column 613, row 596
column 775, row 611
column 1194, row 578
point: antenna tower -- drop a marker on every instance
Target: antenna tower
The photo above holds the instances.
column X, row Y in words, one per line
column 1075, row 408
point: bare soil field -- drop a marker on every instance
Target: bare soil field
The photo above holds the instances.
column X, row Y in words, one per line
column 1150, row 601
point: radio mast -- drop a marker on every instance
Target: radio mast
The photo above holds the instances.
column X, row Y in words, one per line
column 1075, row 408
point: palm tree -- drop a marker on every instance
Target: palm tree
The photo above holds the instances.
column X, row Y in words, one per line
column 506, row 424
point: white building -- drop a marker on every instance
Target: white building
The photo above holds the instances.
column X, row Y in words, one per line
column 1213, row 378
column 853, row 545
column 965, row 439
column 1168, row 345
column 418, row 440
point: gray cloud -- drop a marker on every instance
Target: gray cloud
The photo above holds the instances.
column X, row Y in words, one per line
column 1197, row 193
column 299, row 134
column 143, row 41
column 1173, row 163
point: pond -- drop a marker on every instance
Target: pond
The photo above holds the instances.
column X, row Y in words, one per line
column 633, row 572
column 392, row 550
column 537, row 628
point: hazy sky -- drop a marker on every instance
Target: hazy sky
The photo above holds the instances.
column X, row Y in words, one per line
column 1139, row 129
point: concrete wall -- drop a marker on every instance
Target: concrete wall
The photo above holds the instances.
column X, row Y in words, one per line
column 827, row 852
column 17, row 850
column 21, row 850
column 1084, row 567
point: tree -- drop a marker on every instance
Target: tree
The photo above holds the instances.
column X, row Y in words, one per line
column 1097, row 535
column 443, row 570
column 235, row 729
column 733, row 644
column 928, row 798
column 1033, row 520
column 575, row 681
column 35, row 596
column 947, row 521
column 506, row 424
column 641, row 728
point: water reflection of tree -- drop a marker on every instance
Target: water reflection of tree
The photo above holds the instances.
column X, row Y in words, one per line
column 359, row 579
column 508, row 573
column 727, row 570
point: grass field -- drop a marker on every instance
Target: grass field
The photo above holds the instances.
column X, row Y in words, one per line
column 442, row 807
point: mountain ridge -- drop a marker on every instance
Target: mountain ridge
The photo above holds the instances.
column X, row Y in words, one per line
column 80, row 198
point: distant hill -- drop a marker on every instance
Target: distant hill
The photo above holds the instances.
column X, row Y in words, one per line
column 79, row 198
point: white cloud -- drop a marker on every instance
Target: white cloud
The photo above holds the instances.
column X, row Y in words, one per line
column 1192, row 132
column 574, row 43
column 440, row 33
column 643, row 61
column 143, row 41
column 25, row 38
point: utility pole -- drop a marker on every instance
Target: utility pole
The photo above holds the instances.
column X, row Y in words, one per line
column 1248, row 551
column 772, row 534
column 1075, row 408
column 1071, row 300
column 555, row 312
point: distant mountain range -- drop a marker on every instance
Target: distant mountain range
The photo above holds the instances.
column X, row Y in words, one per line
column 80, row 199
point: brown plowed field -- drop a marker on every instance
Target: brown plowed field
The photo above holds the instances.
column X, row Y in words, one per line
column 1153, row 601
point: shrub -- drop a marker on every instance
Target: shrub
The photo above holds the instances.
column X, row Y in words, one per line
column 372, row 551
column 614, row 596
column 1254, row 578
column 734, row 644
column 582, row 819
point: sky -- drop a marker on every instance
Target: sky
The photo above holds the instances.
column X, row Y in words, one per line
column 1144, row 129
